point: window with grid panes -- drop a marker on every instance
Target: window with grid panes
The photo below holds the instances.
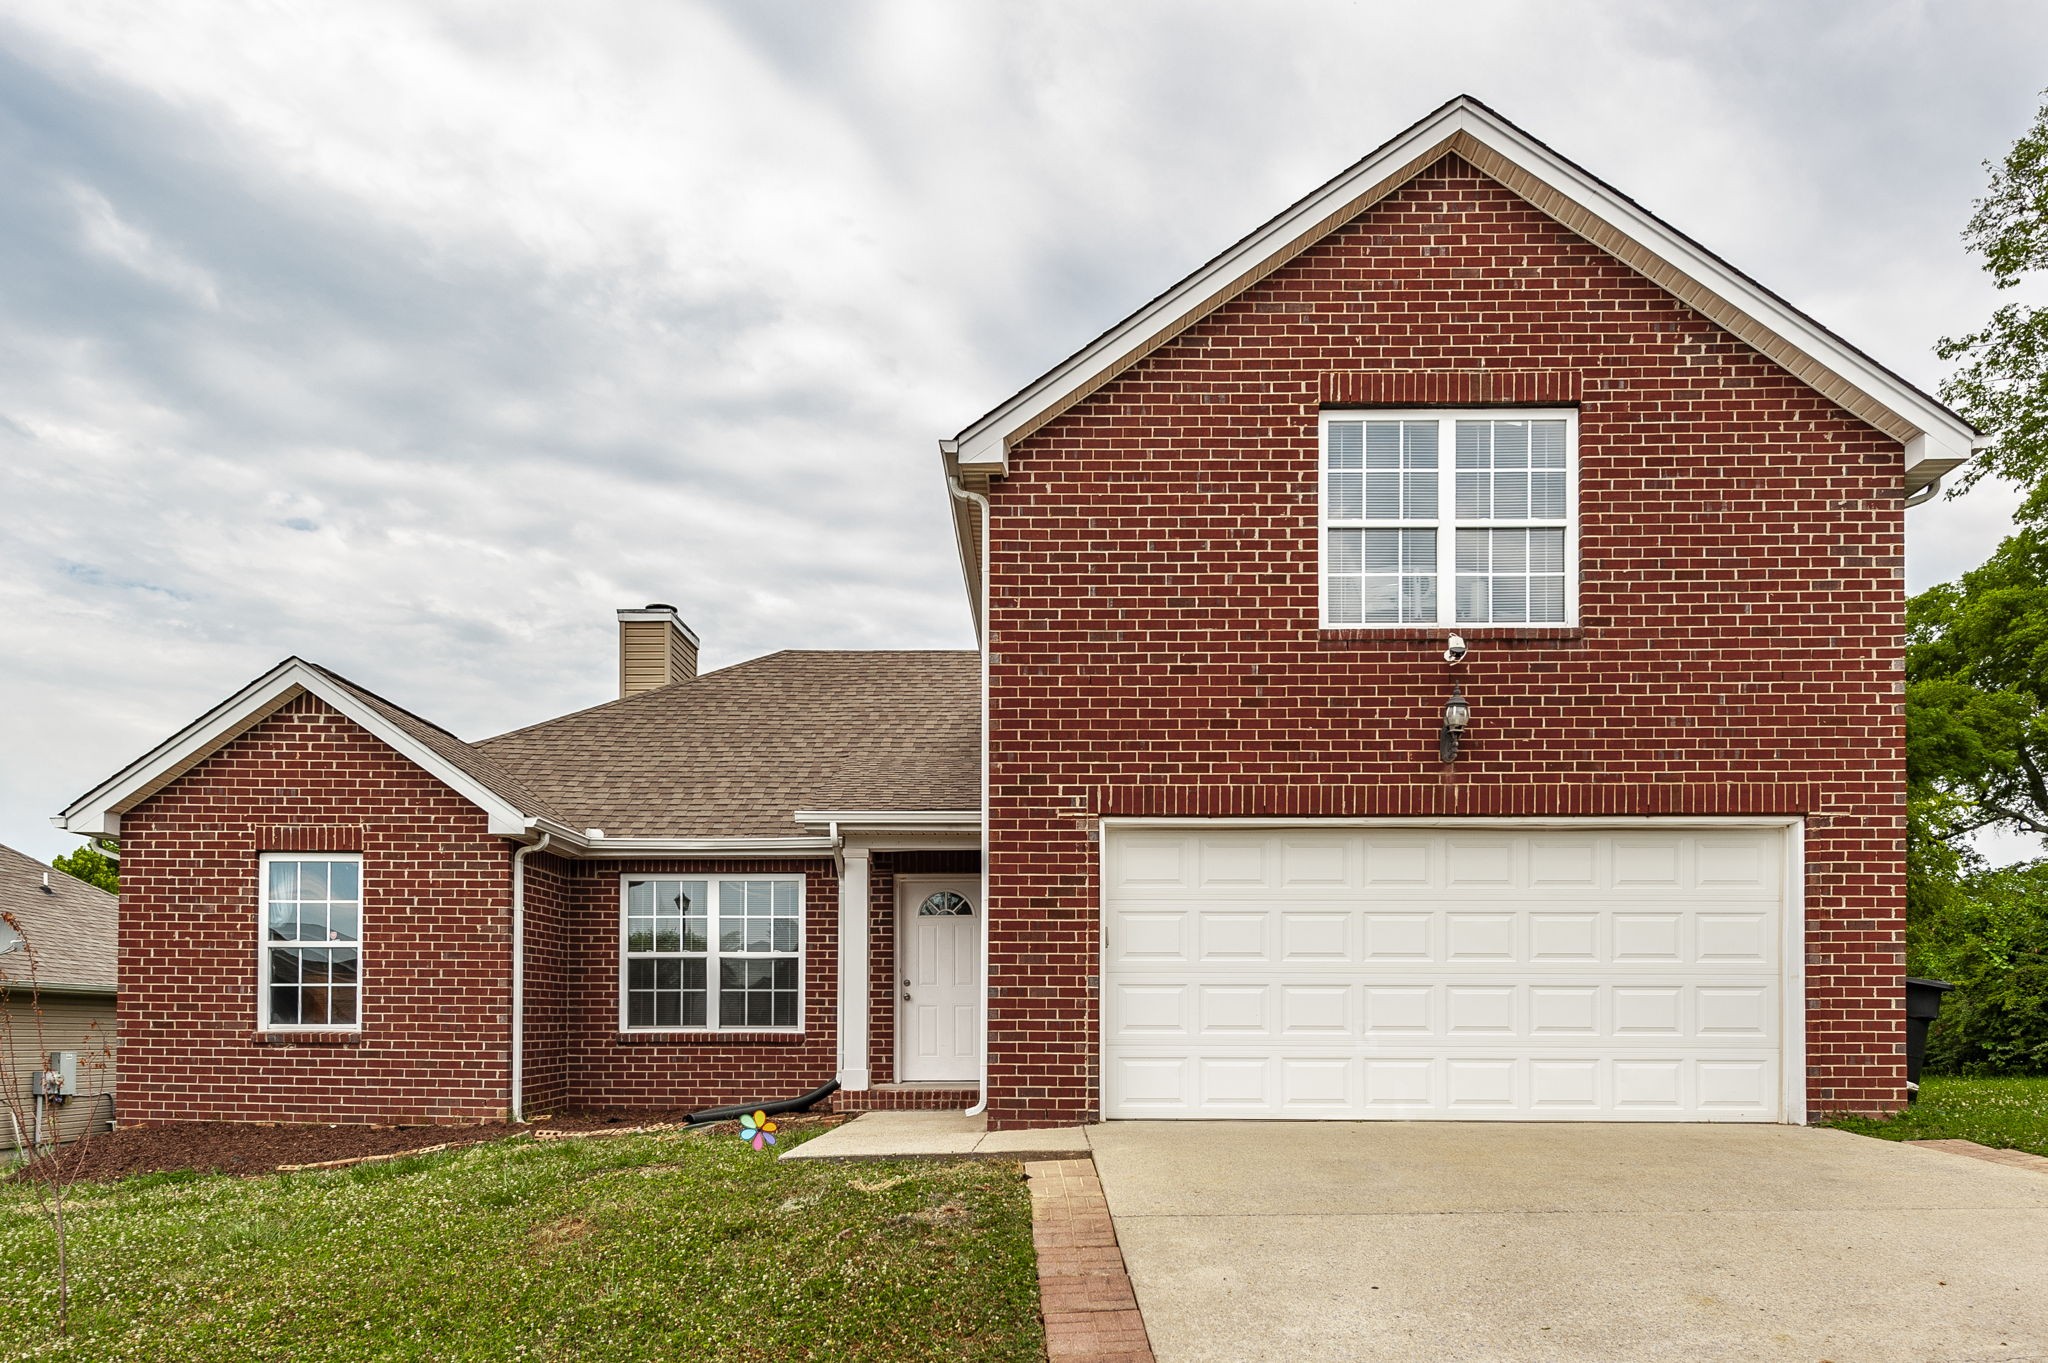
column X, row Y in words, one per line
column 311, row 963
column 716, row 953
column 1448, row 518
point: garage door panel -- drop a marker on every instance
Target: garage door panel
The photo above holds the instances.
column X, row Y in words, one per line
column 1317, row 864
column 1310, row 1011
column 1233, row 936
column 1240, row 863
column 1561, row 974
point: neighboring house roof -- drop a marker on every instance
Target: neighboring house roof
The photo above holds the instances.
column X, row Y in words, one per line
column 70, row 928
column 735, row 753
column 1936, row 438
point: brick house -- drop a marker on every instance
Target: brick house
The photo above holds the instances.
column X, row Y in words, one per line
column 1441, row 659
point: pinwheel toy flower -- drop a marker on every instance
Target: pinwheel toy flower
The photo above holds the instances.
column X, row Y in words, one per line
column 756, row 1130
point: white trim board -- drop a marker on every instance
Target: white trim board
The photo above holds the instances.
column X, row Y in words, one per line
column 1936, row 438
column 98, row 812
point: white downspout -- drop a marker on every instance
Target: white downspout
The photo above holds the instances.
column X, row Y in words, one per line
column 519, row 975
column 962, row 494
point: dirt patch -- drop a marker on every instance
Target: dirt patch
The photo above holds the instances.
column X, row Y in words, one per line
column 555, row 1234
column 265, row 1147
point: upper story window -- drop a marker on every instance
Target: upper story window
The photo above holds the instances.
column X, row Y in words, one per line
column 310, row 977
column 712, row 954
column 1449, row 518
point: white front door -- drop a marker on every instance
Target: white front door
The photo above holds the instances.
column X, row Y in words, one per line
column 938, row 1008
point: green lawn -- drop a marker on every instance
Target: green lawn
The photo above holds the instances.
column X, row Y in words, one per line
column 646, row 1247
column 2010, row 1114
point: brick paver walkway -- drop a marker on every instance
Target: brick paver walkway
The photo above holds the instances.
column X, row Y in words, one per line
column 1091, row 1314
column 2018, row 1159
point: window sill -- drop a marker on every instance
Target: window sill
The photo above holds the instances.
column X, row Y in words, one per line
column 1427, row 634
column 306, row 1038
column 709, row 1039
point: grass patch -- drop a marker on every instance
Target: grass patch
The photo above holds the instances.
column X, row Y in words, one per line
column 639, row 1247
column 2007, row 1114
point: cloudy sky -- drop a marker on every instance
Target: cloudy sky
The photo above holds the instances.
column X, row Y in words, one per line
column 416, row 337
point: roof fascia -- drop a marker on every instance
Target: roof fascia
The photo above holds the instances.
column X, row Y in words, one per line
column 98, row 812
column 1936, row 438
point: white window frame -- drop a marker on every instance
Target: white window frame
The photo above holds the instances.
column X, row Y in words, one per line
column 264, row 944
column 1446, row 524
column 712, row 1024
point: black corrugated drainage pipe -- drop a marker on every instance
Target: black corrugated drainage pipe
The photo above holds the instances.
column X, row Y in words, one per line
column 734, row 1113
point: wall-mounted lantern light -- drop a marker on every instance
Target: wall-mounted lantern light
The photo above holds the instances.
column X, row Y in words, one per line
column 1457, row 714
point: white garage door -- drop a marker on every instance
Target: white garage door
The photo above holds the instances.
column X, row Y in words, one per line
column 1423, row 973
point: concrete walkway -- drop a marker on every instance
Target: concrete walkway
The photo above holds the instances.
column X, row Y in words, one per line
column 903, row 1135
column 1507, row 1242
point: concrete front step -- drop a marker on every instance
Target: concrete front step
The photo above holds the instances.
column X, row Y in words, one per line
column 938, row 1135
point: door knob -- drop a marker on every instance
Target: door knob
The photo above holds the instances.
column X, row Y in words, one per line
column 906, row 993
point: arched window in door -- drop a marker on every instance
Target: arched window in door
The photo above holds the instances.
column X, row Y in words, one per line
column 945, row 904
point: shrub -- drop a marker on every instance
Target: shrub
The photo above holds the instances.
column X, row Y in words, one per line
column 1989, row 938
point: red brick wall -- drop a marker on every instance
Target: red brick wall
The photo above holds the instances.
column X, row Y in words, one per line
column 1154, row 631
column 549, row 890
column 435, row 921
column 611, row 1069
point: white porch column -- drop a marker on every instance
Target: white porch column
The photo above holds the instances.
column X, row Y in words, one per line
column 853, row 969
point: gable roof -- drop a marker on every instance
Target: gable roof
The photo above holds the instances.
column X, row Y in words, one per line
column 1936, row 438
column 737, row 752
column 71, row 928
column 731, row 755
column 512, row 808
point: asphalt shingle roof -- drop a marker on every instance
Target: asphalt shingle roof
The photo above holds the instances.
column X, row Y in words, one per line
column 71, row 928
column 735, row 753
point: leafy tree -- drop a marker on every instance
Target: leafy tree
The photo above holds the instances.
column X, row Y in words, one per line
column 2002, row 383
column 1991, row 941
column 1977, row 694
column 92, row 864
column 1977, row 675
column 1977, row 649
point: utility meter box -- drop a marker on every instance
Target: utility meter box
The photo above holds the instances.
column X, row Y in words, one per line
column 59, row 1079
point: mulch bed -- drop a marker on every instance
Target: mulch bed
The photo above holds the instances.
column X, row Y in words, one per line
column 263, row 1147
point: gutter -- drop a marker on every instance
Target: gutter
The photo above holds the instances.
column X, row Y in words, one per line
column 519, row 857
column 591, row 842
column 982, row 624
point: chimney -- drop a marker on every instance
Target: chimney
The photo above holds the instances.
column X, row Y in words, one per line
column 655, row 649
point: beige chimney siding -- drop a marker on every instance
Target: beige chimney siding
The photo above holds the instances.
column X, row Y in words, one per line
column 656, row 649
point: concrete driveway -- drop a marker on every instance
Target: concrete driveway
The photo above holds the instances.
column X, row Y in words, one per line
column 1428, row 1241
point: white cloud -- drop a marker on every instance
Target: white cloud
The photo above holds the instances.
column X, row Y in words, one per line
column 102, row 230
column 414, row 339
